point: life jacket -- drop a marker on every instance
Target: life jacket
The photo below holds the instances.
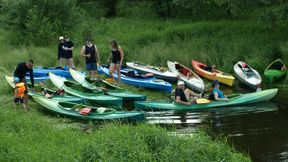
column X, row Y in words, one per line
column 20, row 89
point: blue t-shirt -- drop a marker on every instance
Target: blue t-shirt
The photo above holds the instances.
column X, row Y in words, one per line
column 220, row 93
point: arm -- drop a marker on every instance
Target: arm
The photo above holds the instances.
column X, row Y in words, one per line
column 122, row 55
column 82, row 53
column 31, row 77
column 219, row 99
column 182, row 102
column 109, row 58
column 97, row 55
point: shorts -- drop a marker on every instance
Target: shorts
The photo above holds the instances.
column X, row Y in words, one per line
column 116, row 61
column 61, row 55
column 19, row 100
column 68, row 55
column 91, row 66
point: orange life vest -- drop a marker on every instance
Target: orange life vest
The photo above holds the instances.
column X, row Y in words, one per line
column 20, row 89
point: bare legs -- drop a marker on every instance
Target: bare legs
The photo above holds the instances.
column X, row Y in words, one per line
column 112, row 69
column 70, row 63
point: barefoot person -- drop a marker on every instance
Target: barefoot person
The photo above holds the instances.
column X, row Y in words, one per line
column 184, row 95
column 19, row 92
column 20, row 72
column 61, row 51
column 116, row 58
column 91, row 54
column 216, row 94
column 68, row 47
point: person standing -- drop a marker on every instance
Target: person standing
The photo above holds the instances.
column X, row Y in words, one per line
column 92, row 59
column 20, row 73
column 116, row 58
column 61, row 51
column 68, row 47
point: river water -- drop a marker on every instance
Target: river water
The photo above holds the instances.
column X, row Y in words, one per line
column 260, row 130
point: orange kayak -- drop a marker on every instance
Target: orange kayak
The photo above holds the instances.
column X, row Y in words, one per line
column 224, row 78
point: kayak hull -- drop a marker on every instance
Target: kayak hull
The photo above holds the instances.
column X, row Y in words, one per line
column 113, row 91
column 226, row 79
column 165, row 75
column 251, row 78
column 150, row 83
column 57, row 71
column 97, row 98
column 241, row 99
column 194, row 82
column 58, row 108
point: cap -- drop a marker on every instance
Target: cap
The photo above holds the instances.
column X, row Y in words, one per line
column 61, row 38
column 180, row 82
column 16, row 80
column 215, row 82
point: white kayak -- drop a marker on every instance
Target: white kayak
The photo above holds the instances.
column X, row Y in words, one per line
column 190, row 78
column 158, row 72
column 248, row 75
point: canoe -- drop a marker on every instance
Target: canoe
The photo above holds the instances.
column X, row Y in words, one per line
column 97, row 113
column 158, row 72
column 78, row 90
column 138, row 80
column 10, row 79
column 274, row 71
column 42, row 71
column 190, row 78
column 241, row 99
column 224, row 78
column 113, row 90
column 249, row 77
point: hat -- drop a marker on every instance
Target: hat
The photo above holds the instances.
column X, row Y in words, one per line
column 215, row 82
column 61, row 38
column 180, row 82
column 16, row 80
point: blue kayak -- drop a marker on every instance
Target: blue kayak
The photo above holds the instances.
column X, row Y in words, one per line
column 37, row 79
column 42, row 71
column 131, row 77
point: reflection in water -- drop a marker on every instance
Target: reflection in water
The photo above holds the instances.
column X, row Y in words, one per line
column 258, row 129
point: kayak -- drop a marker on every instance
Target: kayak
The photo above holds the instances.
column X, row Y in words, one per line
column 131, row 77
column 190, row 78
column 274, row 71
column 64, row 98
column 240, row 99
column 158, row 72
column 224, row 78
column 10, row 79
column 248, row 76
column 42, row 71
column 78, row 90
column 112, row 89
column 73, row 110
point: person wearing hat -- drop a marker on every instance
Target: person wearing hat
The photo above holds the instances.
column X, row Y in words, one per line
column 184, row 95
column 116, row 57
column 92, row 59
column 216, row 94
column 61, row 51
column 20, row 73
column 68, row 48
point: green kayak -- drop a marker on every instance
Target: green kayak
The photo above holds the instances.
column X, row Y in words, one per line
column 64, row 98
column 275, row 71
column 97, row 113
column 78, row 90
column 240, row 99
column 113, row 90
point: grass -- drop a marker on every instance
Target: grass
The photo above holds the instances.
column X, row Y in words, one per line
column 41, row 136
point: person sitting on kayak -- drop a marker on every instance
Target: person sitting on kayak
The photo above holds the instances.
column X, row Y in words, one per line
column 182, row 94
column 216, row 94
column 19, row 93
column 211, row 69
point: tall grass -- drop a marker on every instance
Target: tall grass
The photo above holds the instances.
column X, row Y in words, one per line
column 30, row 137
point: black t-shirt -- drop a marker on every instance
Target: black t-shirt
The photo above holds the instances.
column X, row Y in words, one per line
column 92, row 52
column 179, row 92
column 61, row 51
column 116, row 55
column 21, row 71
column 69, row 44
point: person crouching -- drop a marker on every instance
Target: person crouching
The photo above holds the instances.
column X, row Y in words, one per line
column 19, row 93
